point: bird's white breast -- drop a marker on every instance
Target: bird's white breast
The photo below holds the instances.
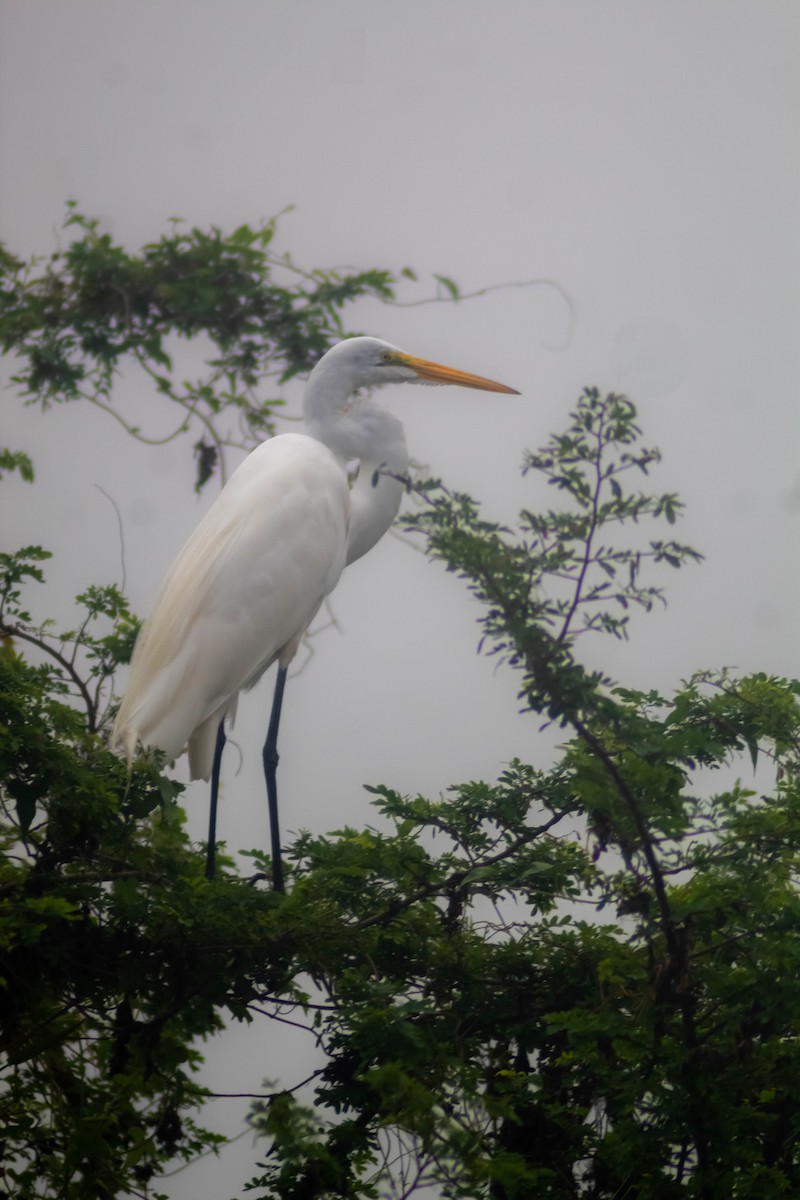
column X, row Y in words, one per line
column 248, row 581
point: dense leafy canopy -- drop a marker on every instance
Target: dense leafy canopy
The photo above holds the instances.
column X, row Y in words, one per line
column 575, row 981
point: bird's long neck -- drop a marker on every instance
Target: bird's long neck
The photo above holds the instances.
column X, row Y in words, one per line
column 375, row 498
column 354, row 428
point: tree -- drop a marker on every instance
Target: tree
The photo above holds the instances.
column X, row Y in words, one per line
column 568, row 982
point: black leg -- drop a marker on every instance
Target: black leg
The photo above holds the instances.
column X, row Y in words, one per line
column 270, row 758
column 212, row 815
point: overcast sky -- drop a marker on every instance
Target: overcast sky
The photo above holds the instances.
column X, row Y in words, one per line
column 643, row 157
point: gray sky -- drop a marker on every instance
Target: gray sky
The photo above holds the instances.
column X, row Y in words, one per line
column 642, row 156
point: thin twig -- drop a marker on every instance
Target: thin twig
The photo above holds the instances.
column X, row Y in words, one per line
column 115, row 506
column 91, row 714
column 458, row 877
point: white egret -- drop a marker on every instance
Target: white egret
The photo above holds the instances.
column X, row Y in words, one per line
column 252, row 576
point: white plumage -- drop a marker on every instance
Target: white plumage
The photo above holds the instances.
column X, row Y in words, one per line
column 239, row 596
column 251, row 577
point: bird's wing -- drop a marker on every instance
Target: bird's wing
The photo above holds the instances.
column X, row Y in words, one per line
column 248, row 581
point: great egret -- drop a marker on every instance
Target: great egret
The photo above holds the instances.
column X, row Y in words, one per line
column 252, row 576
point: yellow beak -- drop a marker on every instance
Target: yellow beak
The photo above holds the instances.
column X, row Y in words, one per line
column 432, row 372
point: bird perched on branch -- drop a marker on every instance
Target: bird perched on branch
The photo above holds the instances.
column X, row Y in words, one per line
column 252, row 576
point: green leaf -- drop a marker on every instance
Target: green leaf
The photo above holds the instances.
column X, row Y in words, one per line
column 450, row 286
column 16, row 460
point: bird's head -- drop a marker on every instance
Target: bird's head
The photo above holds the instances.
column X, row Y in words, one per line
column 369, row 362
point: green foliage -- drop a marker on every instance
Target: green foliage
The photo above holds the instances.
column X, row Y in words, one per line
column 16, row 460
column 576, row 981
column 74, row 320
column 588, row 580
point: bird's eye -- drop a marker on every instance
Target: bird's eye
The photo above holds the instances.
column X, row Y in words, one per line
column 386, row 356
